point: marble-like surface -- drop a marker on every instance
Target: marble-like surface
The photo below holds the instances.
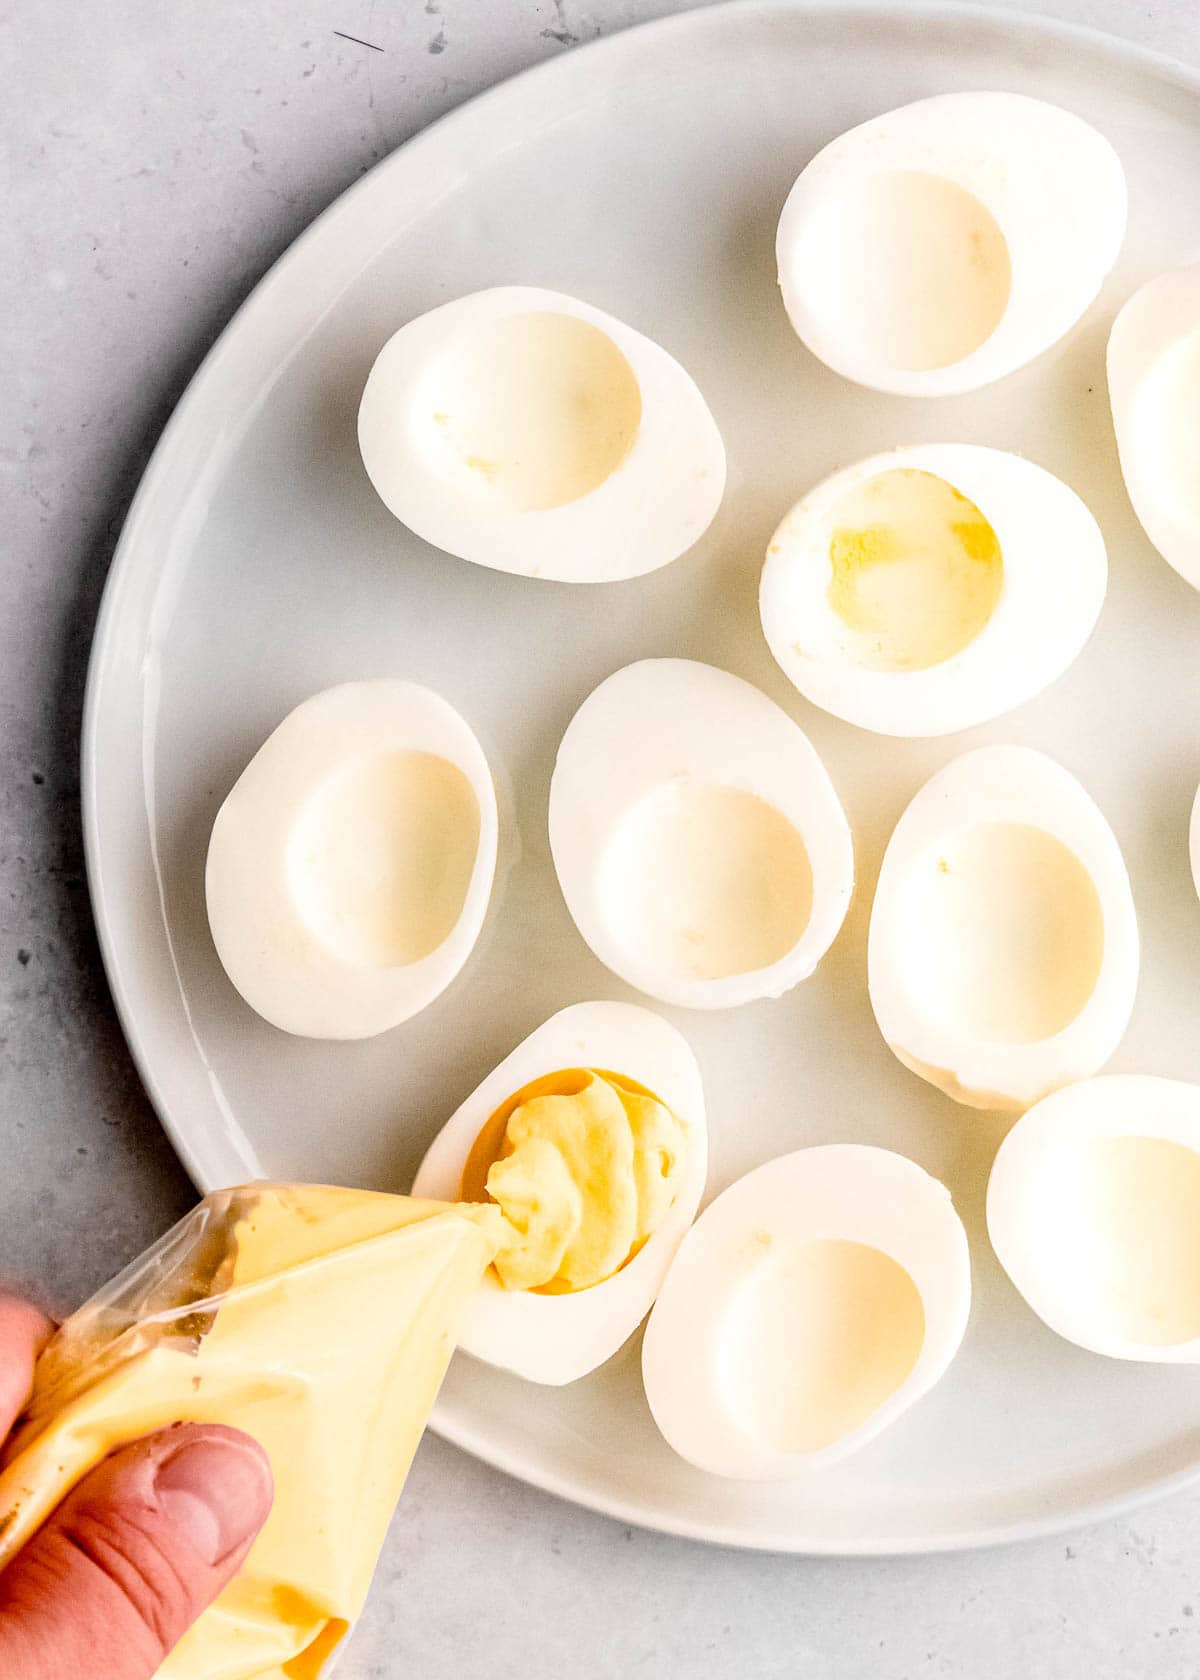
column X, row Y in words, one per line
column 155, row 161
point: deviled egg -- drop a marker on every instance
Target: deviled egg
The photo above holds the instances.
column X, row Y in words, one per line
column 350, row 867
column 699, row 842
column 591, row 1136
column 1153, row 377
column 1092, row 1209
column 528, row 431
column 933, row 588
column 814, row 1301
column 940, row 246
column 1003, row 950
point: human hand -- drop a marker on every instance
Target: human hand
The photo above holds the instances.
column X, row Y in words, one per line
column 116, row 1576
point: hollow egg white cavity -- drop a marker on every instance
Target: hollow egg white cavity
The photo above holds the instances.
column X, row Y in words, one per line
column 554, row 1339
column 699, row 843
column 1092, row 1209
column 1003, row 950
column 527, row 431
column 814, row 1301
column 350, row 866
column 927, row 590
column 1153, row 377
column 940, row 246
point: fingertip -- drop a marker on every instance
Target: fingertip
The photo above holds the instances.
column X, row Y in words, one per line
column 136, row 1553
column 216, row 1485
column 23, row 1322
column 24, row 1332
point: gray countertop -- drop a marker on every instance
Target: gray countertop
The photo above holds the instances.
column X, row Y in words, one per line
column 158, row 159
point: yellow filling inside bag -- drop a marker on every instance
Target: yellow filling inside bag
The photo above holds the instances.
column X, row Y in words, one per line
column 318, row 1320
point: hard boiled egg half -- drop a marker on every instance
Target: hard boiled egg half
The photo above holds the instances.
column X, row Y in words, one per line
column 812, row 1303
column 1153, row 377
column 930, row 589
column 350, row 867
column 1003, row 949
column 569, row 1173
column 699, row 842
column 942, row 245
column 1093, row 1209
column 525, row 430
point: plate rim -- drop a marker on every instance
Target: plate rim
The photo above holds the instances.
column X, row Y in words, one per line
column 777, row 1543
column 1101, row 44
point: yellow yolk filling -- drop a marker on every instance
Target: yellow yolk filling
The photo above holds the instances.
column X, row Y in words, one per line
column 585, row 1166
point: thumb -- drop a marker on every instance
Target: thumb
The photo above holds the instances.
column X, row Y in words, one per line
column 125, row 1565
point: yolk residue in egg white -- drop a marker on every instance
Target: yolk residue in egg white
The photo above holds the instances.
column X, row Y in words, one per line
column 585, row 1166
column 916, row 570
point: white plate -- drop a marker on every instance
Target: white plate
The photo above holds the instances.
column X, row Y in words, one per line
column 644, row 174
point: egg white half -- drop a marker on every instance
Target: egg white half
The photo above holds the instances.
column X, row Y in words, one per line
column 699, row 842
column 743, row 1358
column 940, row 246
column 1003, row 951
column 1093, row 1209
column 350, row 867
column 1053, row 583
column 555, row 1339
column 1153, row 376
column 528, row 431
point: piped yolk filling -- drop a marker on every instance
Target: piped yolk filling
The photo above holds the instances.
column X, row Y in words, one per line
column 585, row 1166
